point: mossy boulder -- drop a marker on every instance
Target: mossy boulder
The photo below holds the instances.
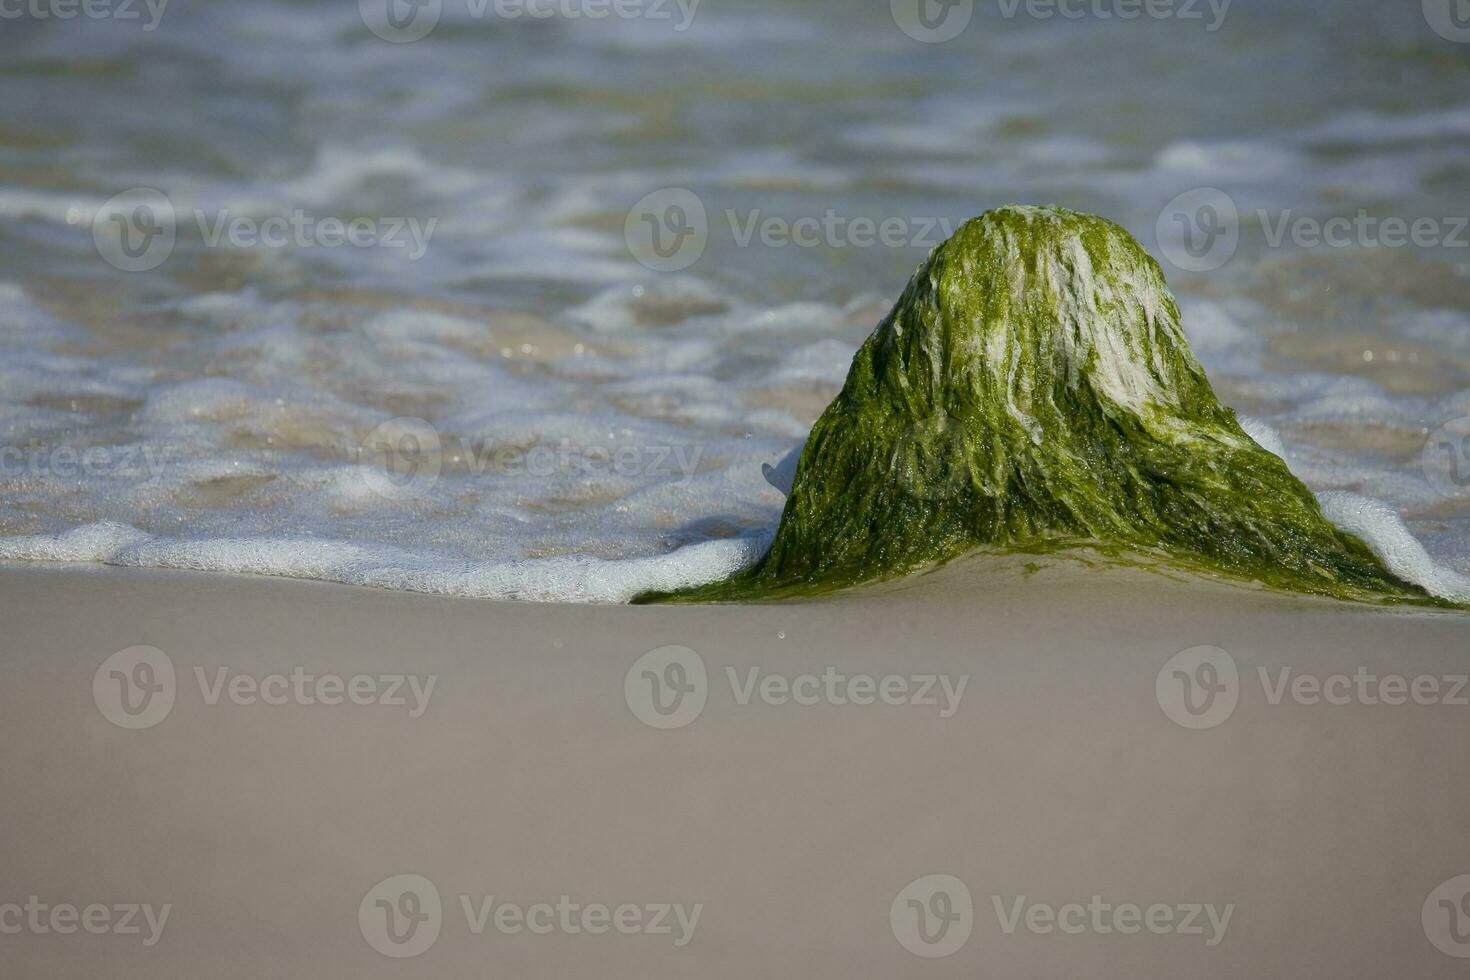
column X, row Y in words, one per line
column 1031, row 390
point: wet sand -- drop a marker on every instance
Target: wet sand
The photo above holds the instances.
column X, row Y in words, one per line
column 1057, row 772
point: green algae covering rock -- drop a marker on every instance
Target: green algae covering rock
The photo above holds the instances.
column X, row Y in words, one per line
column 1032, row 390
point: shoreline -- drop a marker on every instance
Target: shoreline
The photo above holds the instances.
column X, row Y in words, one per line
column 1124, row 570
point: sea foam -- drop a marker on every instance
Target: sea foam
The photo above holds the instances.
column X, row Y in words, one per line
column 572, row 578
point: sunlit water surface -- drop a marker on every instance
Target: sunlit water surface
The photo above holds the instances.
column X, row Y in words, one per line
column 232, row 408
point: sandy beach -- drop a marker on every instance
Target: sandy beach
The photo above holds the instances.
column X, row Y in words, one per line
column 1020, row 742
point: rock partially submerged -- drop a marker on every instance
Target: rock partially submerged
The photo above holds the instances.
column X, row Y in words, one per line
column 1032, row 390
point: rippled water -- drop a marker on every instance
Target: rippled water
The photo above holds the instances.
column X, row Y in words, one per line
column 252, row 405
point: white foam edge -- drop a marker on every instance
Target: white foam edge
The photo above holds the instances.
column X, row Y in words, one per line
column 579, row 578
column 576, row 578
column 1378, row 526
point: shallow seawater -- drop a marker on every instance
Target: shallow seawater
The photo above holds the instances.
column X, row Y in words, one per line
column 489, row 394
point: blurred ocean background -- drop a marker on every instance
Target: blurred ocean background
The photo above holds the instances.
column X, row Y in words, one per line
column 513, row 404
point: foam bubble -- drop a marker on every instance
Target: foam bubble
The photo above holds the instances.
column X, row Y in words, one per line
column 1265, row 436
column 825, row 361
column 341, row 171
column 662, row 302
column 1376, row 127
column 1216, row 161
column 1219, row 339
column 783, row 475
column 90, row 542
